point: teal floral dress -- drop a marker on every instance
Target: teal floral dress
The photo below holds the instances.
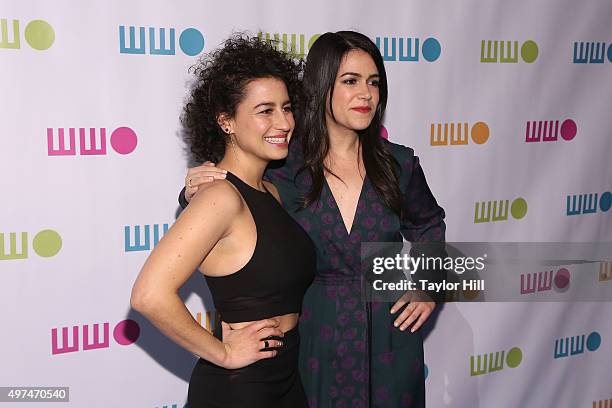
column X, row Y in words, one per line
column 351, row 355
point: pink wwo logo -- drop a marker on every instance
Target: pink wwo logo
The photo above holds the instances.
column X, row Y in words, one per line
column 123, row 140
column 96, row 336
column 549, row 130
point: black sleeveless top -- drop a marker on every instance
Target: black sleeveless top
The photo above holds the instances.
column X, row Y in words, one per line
column 274, row 280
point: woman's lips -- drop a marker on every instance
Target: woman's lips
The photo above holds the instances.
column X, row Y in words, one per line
column 280, row 141
column 363, row 109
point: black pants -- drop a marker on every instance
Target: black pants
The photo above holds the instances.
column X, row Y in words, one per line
column 269, row 383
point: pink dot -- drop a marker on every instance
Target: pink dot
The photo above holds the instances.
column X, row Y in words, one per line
column 568, row 129
column 124, row 140
column 562, row 278
column 383, row 132
column 126, row 332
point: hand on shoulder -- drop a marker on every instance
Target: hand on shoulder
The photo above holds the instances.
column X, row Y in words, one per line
column 217, row 200
column 217, row 192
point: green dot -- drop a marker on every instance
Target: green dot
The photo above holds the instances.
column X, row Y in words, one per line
column 514, row 357
column 39, row 34
column 47, row 243
column 518, row 209
column 529, row 51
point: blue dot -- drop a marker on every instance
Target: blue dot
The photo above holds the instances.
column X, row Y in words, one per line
column 426, row 371
column 593, row 341
column 191, row 42
column 431, row 49
column 605, row 202
column 610, row 53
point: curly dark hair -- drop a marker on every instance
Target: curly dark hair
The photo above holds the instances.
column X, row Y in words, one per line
column 221, row 77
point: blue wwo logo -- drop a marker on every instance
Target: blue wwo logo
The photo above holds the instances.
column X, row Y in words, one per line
column 159, row 41
column 408, row 49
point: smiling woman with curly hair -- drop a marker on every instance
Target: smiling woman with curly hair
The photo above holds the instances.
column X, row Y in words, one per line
column 221, row 77
column 238, row 235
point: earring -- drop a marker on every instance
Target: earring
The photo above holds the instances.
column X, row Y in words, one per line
column 234, row 147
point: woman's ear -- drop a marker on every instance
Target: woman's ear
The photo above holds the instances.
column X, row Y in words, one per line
column 224, row 123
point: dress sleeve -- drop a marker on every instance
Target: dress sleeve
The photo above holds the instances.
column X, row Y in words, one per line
column 422, row 219
column 283, row 175
column 181, row 199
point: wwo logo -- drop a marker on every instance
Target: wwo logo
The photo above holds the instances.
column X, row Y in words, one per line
column 603, row 403
column 125, row 333
column 384, row 133
column 579, row 204
column 408, row 49
column 495, row 51
column 591, row 52
column 548, row 130
column 142, row 236
column 456, row 134
column 543, row 281
column 38, row 34
column 498, row 210
column 574, row 345
column 488, row 363
column 293, row 44
column 211, row 317
column 605, row 271
column 46, row 243
column 161, row 41
column 123, row 140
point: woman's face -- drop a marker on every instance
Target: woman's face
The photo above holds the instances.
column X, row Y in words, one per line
column 263, row 122
column 356, row 93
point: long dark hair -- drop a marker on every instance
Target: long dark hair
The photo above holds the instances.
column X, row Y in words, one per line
column 324, row 58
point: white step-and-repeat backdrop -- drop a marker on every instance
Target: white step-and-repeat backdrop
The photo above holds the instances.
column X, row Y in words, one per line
column 506, row 103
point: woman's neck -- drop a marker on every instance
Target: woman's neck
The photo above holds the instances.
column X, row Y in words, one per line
column 344, row 151
column 249, row 171
column 343, row 143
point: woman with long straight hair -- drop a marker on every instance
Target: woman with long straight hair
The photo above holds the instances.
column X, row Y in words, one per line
column 346, row 185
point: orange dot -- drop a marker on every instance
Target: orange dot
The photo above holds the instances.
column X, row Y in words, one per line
column 480, row 133
column 469, row 294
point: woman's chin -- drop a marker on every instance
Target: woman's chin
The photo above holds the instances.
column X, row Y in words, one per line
column 279, row 155
column 360, row 125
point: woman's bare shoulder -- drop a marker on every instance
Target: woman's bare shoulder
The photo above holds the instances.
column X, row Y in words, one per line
column 220, row 195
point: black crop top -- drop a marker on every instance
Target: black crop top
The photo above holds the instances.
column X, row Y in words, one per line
column 274, row 280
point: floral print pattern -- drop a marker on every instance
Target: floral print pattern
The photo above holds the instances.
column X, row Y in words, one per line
column 351, row 355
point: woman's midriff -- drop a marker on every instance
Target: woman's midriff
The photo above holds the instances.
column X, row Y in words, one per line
column 287, row 322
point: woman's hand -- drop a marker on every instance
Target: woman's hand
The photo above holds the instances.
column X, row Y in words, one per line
column 243, row 346
column 416, row 310
column 196, row 176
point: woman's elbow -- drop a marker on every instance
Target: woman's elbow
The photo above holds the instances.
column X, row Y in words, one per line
column 141, row 300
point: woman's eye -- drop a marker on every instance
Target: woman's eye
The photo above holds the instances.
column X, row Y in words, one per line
column 375, row 83
column 349, row 81
column 266, row 111
column 288, row 109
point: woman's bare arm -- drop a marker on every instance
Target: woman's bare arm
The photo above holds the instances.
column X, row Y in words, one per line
column 179, row 253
